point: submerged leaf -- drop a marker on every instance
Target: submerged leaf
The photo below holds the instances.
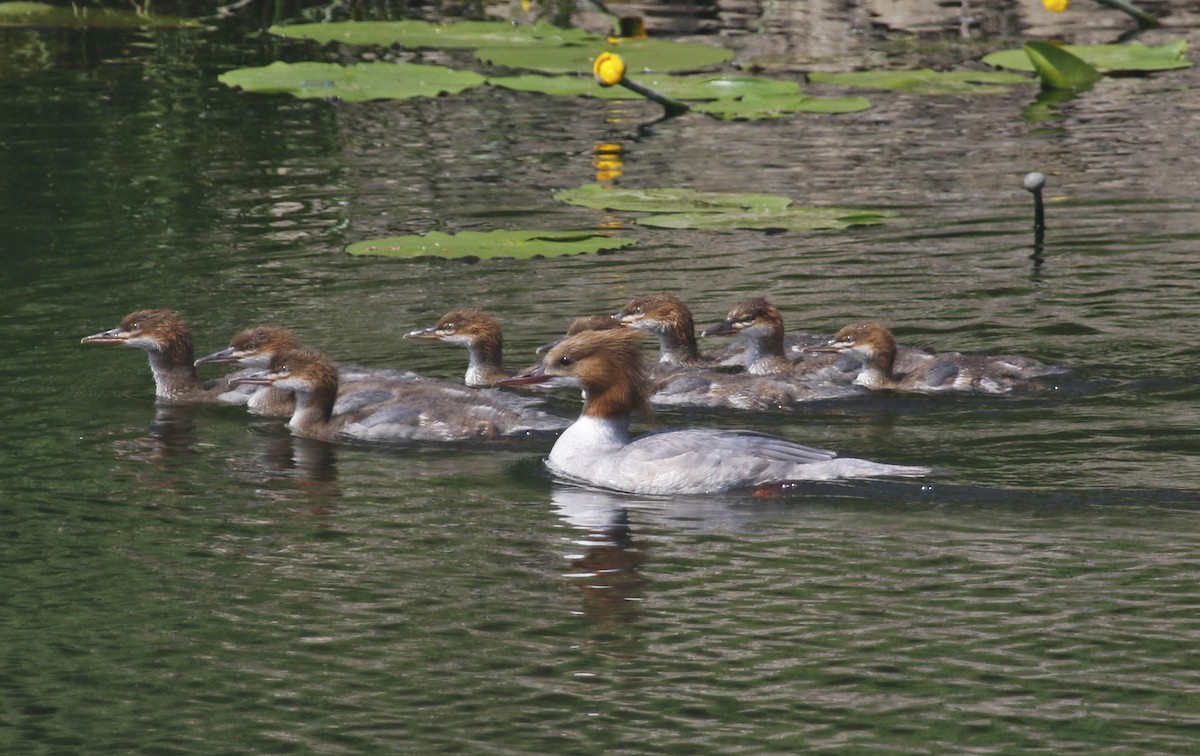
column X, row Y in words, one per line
column 468, row 35
column 755, row 107
column 666, row 200
column 1059, row 69
column 790, row 218
column 640, row 56
column 1106, row 58
column 24, row 14
column 924, row 81
column 475, row 245
column 686, row 208
column 359, row 82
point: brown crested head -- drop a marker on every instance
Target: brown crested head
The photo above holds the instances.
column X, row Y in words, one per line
column 756, row 312
column 304, row 365
column 662, row 308
column 264, row 339
column 467, row 324
column 592, row 323
column 608, row 364
column 865, row 336
column 162, row 330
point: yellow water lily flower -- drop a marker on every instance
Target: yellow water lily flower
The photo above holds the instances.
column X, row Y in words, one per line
column 1056, row 6
column 609, row 69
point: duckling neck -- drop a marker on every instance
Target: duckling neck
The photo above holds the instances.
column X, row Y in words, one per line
column 485, row 363
column 677, row 346
column 876, row 372
column 764, row 356
column 313, row 412
column 172, row 379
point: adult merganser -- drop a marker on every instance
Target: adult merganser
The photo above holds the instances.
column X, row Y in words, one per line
column 479, row 332
column 167, row 340
column 398, row 410
column 598, row 451
column 949, row 371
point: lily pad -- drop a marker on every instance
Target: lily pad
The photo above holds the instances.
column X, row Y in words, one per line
column 359, row 82
column 31, row 14
column 1059, row 69
column 1133, row 56
column 756, row 107
column 789, row 218
column 676, row 87
column 413, row 34
column 477, row 245
column 686, row 208
column 640, row 56
column 924, row 81
column 667, row 200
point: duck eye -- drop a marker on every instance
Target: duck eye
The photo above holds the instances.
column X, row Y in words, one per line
column 564, row 361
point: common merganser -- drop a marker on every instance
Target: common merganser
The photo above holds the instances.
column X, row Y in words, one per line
column 398, row 410
column 597, row 450
column 167, row 340
column 949, row 371
column 760, row 326
column 479, row 332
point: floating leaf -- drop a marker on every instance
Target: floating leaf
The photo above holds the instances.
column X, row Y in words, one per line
column 676, row 87
column 412, row 34
column 640, row 56
column 686, row 208
column 755, row 107
column 790, row 218
column 924, row 81
column 23, row 14
column 359, row 82
column 476, row 245
column 1106, row 58
column 1059, row 69
column 666, row 200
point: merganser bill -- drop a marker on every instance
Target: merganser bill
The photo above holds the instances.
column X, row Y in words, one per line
column 397, row 410
column 167, row 341
column 479, row 332
column 597, row 450
column 949, row 371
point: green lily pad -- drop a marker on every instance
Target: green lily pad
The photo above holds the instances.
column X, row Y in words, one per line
column 1059, row 69
column 756, row 107
column 790, row 218
column 676, row 87
column 686, row 208
column 640, row 56
column 666, row 200
column 468, row 35
column 359, row 82
column 477, row 245
column 1133, row 56
column 26, row 14
column 924, row 81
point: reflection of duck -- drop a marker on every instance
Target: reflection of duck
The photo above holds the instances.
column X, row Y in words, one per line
column 167, row 341
column 875, row 345
column 597, row 450
column 394, row 410
column 480, row 333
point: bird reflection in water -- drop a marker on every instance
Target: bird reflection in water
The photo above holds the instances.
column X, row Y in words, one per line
column 167, row 446
column 307, row 466
column 607, row 572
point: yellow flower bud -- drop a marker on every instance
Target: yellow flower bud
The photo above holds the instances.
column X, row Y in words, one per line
column 1056, row 6
column 609, row 69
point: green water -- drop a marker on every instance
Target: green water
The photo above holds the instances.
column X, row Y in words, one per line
column 191, row 579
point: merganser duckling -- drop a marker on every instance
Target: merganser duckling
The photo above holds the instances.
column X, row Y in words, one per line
column 760, row 325
column 950, row 371
column 670, row 319
column 394, row 411
column 598, row 451
column 254, row 348
column 579, row 325
column 167, row 340
column 479, row 332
